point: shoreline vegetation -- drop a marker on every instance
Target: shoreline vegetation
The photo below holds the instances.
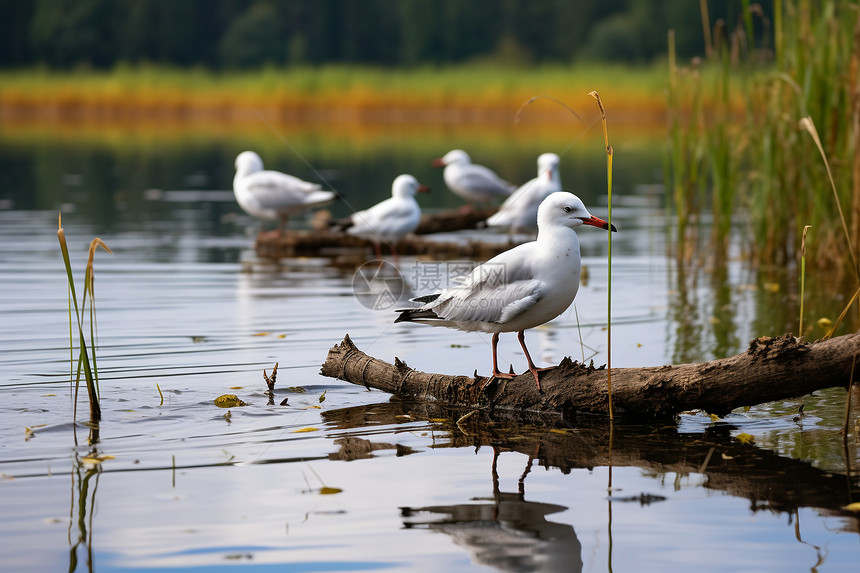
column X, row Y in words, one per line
column 446, row 98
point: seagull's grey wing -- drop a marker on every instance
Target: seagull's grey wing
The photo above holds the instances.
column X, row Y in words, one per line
column 275, row 190
column 488, row 302
column 513, row 205
column 484, row 179
column 388, row 217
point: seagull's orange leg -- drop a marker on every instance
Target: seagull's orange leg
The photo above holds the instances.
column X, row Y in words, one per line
column 496, row 372
column 521, row 336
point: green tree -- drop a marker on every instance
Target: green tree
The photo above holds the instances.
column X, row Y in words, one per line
column 255, row 38
column 65, row 33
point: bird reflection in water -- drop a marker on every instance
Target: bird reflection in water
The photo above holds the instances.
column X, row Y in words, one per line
column 505, row 531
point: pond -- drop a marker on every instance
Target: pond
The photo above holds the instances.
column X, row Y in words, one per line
column 339, row 478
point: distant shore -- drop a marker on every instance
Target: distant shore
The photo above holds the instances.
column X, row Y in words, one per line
column 457, row 96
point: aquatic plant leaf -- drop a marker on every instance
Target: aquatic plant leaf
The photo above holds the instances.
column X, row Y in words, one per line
column 94, row 460
column 302, row 430
column 745, row 438
column 296, row 389
column 330, row 490
column 229, row 401
column 852, row 506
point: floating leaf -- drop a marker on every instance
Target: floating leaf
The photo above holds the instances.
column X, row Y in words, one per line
column 302, row 430
column 235, row 387
column 48, row 396
column 745, row 438
column 825, row 322
column 296, row 389
column 95, row 460
column 727, row 457
column 229, row 401
column 771, row 287
column 329, row 490
column 322, row 396
column 261, row 334
column 714, row 417
column 852, row 506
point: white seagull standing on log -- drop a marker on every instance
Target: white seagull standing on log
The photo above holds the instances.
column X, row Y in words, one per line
column 520, row 288
column 274, row 195
column 474, row 183
column 392, row 219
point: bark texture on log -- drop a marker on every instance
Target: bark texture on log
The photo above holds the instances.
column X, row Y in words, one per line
column 771, row 369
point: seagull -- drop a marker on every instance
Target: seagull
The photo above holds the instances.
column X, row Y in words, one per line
column 392, row 219
column 474, row 183
column 274, row 195
column 519, row 211
column 520, row 288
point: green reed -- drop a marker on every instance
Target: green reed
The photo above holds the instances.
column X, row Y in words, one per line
column 86, row 360
column 737, row 144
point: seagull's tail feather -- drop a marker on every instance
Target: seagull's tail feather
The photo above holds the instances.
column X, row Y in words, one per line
column 414, row 314
column 426, row 298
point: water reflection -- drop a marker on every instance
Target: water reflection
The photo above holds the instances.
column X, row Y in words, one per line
column 85, row 480
column 768, row 481
column 504, row 531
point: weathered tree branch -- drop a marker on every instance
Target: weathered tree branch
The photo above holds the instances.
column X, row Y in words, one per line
column 771, row 369
column 322, row 240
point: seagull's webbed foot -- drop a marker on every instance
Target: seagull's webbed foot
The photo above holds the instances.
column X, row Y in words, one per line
column 497, row 374
column 535, row 371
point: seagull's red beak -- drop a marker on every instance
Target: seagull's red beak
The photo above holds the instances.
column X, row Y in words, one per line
column 423, row 189
column 599, row 223
column 438, row 162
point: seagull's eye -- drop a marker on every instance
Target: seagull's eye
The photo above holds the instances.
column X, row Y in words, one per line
column 567, row 209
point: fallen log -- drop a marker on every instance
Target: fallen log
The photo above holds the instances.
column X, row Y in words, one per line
column 322, row 240
column 302, row 243
column 771, row 369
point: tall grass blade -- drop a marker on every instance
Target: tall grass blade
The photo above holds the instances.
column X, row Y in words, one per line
column 802, row 276
column 84, row 365
column 596, row 96
column 809, row 126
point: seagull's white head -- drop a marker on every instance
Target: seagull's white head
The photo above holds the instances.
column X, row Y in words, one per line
column 407, row 186
column 548, row 165
column 248, row 162
column 563, row 209
column 453, row 157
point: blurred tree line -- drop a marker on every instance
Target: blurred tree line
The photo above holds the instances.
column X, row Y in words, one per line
column 227, row 34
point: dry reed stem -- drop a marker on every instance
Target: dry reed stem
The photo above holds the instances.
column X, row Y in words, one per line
column 596, row 96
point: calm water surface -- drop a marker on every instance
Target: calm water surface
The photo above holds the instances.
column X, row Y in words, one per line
column 356, row 482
